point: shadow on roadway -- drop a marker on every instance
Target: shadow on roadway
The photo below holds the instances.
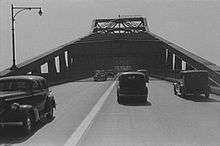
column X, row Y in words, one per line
column 136, row 103
column 13, row 135
column 199, row 98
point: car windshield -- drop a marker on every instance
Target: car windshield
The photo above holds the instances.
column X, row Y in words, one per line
column 14, row 85
column 132, row 81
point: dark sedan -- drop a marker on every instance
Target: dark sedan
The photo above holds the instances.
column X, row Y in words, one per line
column 24, row 100
column 132, row 87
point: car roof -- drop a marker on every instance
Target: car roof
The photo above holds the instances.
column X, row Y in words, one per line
column 193, row 71
column 132, row 73
column 142, row 70
column 22, row 77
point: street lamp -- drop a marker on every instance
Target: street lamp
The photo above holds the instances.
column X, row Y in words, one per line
column 20, row 9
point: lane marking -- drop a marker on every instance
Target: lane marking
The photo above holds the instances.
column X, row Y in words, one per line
column 78, row 133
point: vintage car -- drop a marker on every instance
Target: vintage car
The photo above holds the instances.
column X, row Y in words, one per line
column 193, row 82
column 132, row 87
column 146, row 72
column 110, row 73
column 25, row 101
column 100, row 75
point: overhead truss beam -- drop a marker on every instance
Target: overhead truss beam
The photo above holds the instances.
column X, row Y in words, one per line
column 120, row 25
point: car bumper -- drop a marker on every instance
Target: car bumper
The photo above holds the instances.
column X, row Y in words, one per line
column 131, row 97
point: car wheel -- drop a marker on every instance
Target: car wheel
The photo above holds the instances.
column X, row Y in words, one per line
column 175, row 92
column 119, row 100
column 50, row 114
column 27, row 124
column 144, row 100
column 182, row 95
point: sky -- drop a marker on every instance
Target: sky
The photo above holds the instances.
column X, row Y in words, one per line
column 194, row 25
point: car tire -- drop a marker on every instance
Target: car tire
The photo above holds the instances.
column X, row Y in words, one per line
column 144, row 100
column 50, row 105
column 119, row 100
column 182, row 95
column 27, row 124
column 175, row 92
column 182, row 92
column 50, row 114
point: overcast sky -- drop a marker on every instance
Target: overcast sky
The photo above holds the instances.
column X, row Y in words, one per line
column 194, row 25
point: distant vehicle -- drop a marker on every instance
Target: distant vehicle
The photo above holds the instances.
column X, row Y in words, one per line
column 146, row 72
column 193, row 82
column 132, row 87
column 100, row 75
column 110, row 73
column 123, row 68
column 24, row 101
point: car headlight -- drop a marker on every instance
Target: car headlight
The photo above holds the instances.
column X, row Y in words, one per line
column 15, row 106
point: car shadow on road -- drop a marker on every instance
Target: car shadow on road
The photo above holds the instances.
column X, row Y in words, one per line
column 199, row 98
column 148, row 103
column 13, row 135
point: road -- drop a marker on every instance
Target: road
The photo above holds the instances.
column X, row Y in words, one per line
column 166, row 119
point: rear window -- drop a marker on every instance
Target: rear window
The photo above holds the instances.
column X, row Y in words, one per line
column 196, row 80
column 131, row 77
column 132, row 81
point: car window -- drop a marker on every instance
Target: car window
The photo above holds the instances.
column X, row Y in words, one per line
column 133, row 81
column 20, row 86
column 131, row 77
column 6, row 86
column 40, row 84
column 14, row 85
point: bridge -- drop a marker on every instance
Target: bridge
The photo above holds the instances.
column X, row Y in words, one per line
column 118, row 44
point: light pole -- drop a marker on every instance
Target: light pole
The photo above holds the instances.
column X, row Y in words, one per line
column 20, row 9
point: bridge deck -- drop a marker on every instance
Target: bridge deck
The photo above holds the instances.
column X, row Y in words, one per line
column 166, row 120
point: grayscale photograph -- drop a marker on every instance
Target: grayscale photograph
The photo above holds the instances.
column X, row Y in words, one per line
column 109, row 72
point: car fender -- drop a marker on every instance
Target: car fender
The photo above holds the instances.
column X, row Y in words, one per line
column 147, row 91
column 30, row 110
column 50, row 102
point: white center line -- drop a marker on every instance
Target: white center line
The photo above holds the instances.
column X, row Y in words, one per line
column 76, row 136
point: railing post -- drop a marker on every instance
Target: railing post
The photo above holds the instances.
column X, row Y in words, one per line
column 163, row 62
column 169, row 63
column 69, row 59
column 177, row 66
column 51, row 66
column 62, row 62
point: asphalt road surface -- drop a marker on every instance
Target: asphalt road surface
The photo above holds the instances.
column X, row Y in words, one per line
column 165, row 120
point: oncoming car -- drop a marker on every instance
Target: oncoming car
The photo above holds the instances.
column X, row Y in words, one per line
column 132, row 87
column 24, row 101
column 193, row 82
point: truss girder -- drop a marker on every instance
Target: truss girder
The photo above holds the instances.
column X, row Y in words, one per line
column 120, row 25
